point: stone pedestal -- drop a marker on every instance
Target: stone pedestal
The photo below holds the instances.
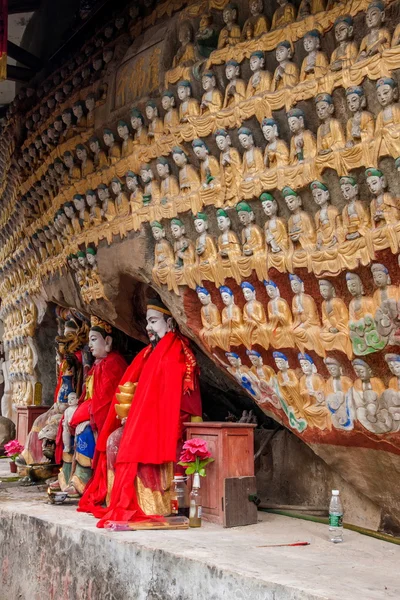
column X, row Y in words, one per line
column 26, row 415
column 232, row 447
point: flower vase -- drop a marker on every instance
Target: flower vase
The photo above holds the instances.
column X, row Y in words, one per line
column 195, row 508
column 13, row 467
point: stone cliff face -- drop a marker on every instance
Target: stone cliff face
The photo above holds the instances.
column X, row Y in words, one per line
column 236, row 185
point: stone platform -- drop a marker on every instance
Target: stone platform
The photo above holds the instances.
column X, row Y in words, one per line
column 54, row 553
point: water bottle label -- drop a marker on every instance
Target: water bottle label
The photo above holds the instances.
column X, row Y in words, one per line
column 336, row 520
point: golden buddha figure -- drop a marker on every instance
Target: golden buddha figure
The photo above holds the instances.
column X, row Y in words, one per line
column 264, row 373
column 252, row 243
column 357, row 245
column 280, row 319
column 252, row 162
column 315, row 64
column 378, row 37
column 121, row 200
column 87, row 166
column 114, row 149
column 396, row 37
column 90, row 104
column 164, row 260
column 276, row 153
column 183, row 251
column 186, row 55
column 312, row 392
column 276, row 235
column 127, row 140
column 387, row 137
column 99, row 156
column 108, row 210
column 337, row 398
column 330, row 135
column 303, row 145
column 302, row 237
column 286, row 74
column 228, row 247
column 169, row 188
column 230, row 34
column 139, row 128
column 346, row 51
column 235, row 91
column 189, row 106
column 155, row 128
column 363, row 334
column 135, row 198
column 289, row 385
column 94, row 209
column 367, row 391
column 239, row 371
column 73, row 171
column 385, row 292
column 283, row 15
column 171, row 116
column 329, row 232
column 206, row 38
column 257, row 23
column 261, row 80
column 209, row 165
column 335, row 319
column 189, row 182
column 254, row 317
column 310, row 7
column 70, row 213
column 384, row 212
column 206, row 253
column 210, row 317
column 230, row 163
column 360, row 127
column 151, row 188
column 212, row 99
column 232, row 331
column 306, row 324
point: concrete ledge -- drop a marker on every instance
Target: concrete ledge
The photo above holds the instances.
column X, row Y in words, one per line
column 54, row 553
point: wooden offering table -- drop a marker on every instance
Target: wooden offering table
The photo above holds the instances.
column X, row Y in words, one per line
column 26, row 416
column 230, row 478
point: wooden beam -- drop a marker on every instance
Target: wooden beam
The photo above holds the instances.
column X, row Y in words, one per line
column 19, row 74
column 21, row 6
column 23, row 56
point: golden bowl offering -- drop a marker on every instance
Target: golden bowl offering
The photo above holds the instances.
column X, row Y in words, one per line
column 122, row 410
column 124, row 398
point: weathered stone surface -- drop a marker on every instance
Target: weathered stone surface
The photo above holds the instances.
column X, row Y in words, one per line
column 7, row 432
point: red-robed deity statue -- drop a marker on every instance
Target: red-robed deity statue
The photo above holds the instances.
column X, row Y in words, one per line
column 134, row 463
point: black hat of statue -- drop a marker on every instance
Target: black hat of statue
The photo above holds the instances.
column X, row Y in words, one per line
column 156, row 304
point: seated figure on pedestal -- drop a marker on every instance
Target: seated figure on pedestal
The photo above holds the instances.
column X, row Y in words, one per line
column 276, row 153
column 121, row 201
column 209, row 166
column 164, row 259
column 212, row 99
column 87, row 166
column 189, row 182
column 114, row 149
column 310, row 7
column 232, row 331
column 378, row 37
column 276, row 235
column 384, row 213
column 252, row 164
column 329, row 231
column 335, row 320
column 286, row 74
column 363, row 332
column 135, row 197
column 151, row 188
column 210, row 317
column 189, row 106
column 99, row 156
column 260, row 81
column 338, row 396
column 266, row 376
column 356, row 246
column 183, row 250
column 206, row 37
column 367, row 394
column 254, row 317
column 283, row 15
column 252, row 243
column 171, row 117
column 228, row 247
column 127, row 140
column 135, row 462
column 235, row 90
column 230, row 167
column 138, row 125
column 315, row 64
column 301, row 231
column 289, row 385
column 303, row 145
column 155, row 128
column 391, row 396
column 361, row 126
column 346, row 51
column 386, row 298
column 387, row 135
column 169, row 188
column 230, row 34
column 257, row 23
column 330, row 135
column 306, row 324
column 186, row 54
column 206, row 252
column 312, row 392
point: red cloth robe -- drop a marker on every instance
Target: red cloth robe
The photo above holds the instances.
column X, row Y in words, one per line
column 167, row 384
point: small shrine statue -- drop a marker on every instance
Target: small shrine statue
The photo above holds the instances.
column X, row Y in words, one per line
column 99, row 156
column 151, row 189
column 346, row 51
column 283, row 15
column 301, row 230
column 210, row 316
column 69, row 130
column 74, row 171
column 253, row 163
column 310, row 7
column 289, row 385
column 387, row 121
column 189, row 107
column 327, row 219
column 67, row 437
column 235, row 91
column 264, row 373
column 367, row 391
column 206, row 250
column 87, row 166
column 209, row 166
column 361, row 126
column 337, row 397
column 138, row 126
column 312, row 394
column 356, row 224
column 302, row 143
column 155, row 128
column 306, row 323
column 164, row 259
column 186, row 55
column 169, row 187
column 254, row 316
column 206, row 38
column 260, row 81
column 315, row 65
column 363, row 334
column 252, row 241
column 276, row 235
column 136, row 196
column 230, row 34
column 228, row 245
column 189, row 180
column 183, row 246
column 386, row 297
column 78, row 110
column 239, row 371
column 230, row 166
column 286, row 74
column 212, row 99
column 121, row 201
column 384, row 212
column 335, row 319
column 378, row 37
column 257, row 23
column 233, row 331
column 330, row 135
column 171, row 117
column 90, row 104
column 276, row 153
column 69, row 210
column 114, row 149
column 127, row 141
column 80, row 207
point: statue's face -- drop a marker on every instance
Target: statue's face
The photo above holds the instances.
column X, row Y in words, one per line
column 58, row 126
column 271, row 291
column 296, row 124
column 256, row 361
column 158, row 233
column 116, row 187
column 324, row 109
column 204, row 298
column 374, row 17
column 162, row 170
column 97, row 64
column 333, row 369
column 81, row 154
column 136, row 122
column 66, row 117
column 79, row 203
column 234, row 362
column 101, row 192
column 184, row 34
column 179, row 159
column 228, row 15
column 293, row 202
column 354, row 286
column 91, row 259
column 177, row 231
column 77, row 110
column 362, row 372
column 222, row 142
column 131, row 183
column 349, row 191
column 68, row 160
column 249, row 294
column 200, row 152
column 306, row 367
column 91, row 199
column 108, row 139
column 386, row 94
column 107, row 56
column 223, row 223
column 69, row 211
column 326, row 290
column 145, row 175
column 72, row 399
column 98, row 345
column 270, row 132
column 255, row 7
column 296, row 286
column 208, row 83
column 90, row 103
column 82, row 261
column 204, row 22
column 310, row 43
column 123, row 131
column 320, row 196
column 245, row 217
column 94, row 146
column 354, row 102
column 227, row 298
column 183, row 92
column 394, row 366
column 256, row 63
column 230, row 71
column 246, row 140
column 281, row 364
column 200, row 225
column 343, row 32
column 282, row 53
column 380, row 278
column 376, row 184
column 157, row 325
column 167, row 102
column 150, row 112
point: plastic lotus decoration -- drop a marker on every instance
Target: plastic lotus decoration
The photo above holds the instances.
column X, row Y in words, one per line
column 195, row 457
column 13, row 449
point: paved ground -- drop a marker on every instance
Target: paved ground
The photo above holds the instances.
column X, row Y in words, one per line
column 361, row 568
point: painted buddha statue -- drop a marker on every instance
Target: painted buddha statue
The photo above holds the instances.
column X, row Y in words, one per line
column 312, row 393
column 87, row 166
column 315, row 64
column 310, row 7
column 283, row 15
column 280, row 319
column 257, row 23
column 252, row 243
column 367, row 393
column 135, row 197
column 276, row 235
column 206, row 37
column 209, row 166
column 114, row 148
column 121, row 201
column 356, row 246
column 337, row 397
column 189, row 181
column 252, row 162
column 306, row 323
column 387, row 137
column 228, row 246
column 330, row 135
column 329, row 231
column 210, row 317
column 230, row 162
column 235, row 90
column 286, row 74
column 378, row 38
column 212, row 99
column 155, row 128
column 232, row 331
column 99, row 156
column 127, row 140
column 189, row 106
column 230, row 34
column 260, row 80
column 206, row 251
column 164, row 259
column 289, row 385
column 169, row 187
column 335, row 319
column 254, row 317
column 151, row 188
column 183, row 250
column 276, row 153
column 303, row 145
column 360, row 127
column 186, row 54
column 171, row 116
column 384, row 212
column 301, row 230
column 346, row 51
column 139, row 128
column 363, row 334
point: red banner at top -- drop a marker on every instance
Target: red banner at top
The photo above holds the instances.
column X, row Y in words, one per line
column 3, row 38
